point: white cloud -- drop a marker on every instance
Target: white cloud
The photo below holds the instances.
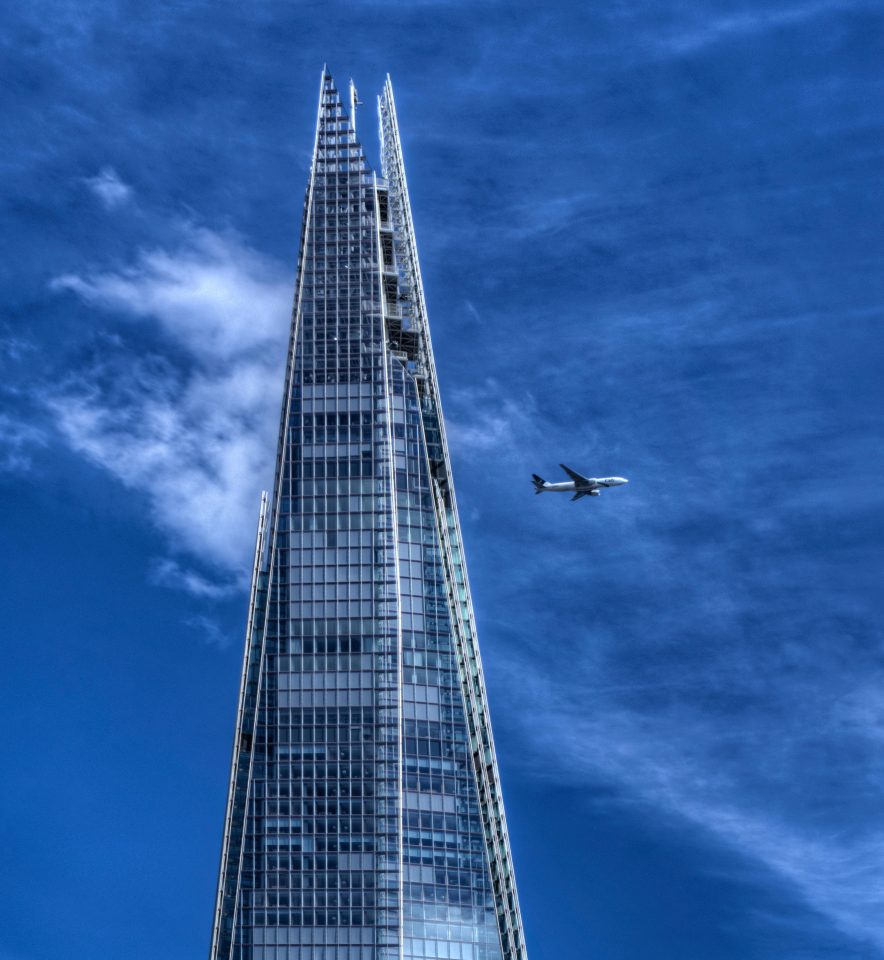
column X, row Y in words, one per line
column 213, row 294
column 109, row 188
column 191, row 429
column 666, row 646
column 696, row 767
column 169, row 573
column 485, row 420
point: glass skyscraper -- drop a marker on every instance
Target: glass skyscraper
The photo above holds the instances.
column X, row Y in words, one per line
column 364, row 817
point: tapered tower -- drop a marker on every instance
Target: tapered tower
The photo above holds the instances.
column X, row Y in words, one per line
column 364, row 817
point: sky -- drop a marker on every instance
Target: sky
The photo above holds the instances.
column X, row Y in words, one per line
column 650, row 236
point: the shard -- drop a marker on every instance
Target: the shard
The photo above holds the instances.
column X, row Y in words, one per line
column 364, row 817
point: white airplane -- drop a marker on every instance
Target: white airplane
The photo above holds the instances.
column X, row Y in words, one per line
column 579, row 485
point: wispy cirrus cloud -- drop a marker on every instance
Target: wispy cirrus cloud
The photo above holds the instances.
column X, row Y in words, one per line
column 19, row 441
column 718, row 29
column 731, row 697
column 109, row 188
column 167, row 572
column 209, row 631
column 190, row 422
column 748, row 782
column 486, row 420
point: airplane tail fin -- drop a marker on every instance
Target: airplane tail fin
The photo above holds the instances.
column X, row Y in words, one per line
column 538, row 483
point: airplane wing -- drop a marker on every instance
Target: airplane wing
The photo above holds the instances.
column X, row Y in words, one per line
column 579, row 494
column 576, row 477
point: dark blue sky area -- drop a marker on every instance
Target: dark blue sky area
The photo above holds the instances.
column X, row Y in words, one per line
column 651, row 243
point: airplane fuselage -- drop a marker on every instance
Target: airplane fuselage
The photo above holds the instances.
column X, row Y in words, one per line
column 592, row 487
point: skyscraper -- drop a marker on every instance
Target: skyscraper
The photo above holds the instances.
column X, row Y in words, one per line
column 364, row 817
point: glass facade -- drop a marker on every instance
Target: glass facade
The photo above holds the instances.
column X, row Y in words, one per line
column 364, row 818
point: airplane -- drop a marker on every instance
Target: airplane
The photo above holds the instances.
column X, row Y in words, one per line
column 580, row 486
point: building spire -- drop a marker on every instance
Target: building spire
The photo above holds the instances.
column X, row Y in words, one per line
column 363, row 763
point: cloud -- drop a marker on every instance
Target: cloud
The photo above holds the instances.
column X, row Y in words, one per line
column 700, row 645
column 109, row 188
column 486, row 420
column 169, row 573
column 736, row 26
column 212, row 294
column 21, row 434
column 211, row 634
column 727, row 776
column 681, row 657
column 189, row 422
column 18, row 442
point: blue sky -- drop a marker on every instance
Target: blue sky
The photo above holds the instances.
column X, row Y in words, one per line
column 651, row 244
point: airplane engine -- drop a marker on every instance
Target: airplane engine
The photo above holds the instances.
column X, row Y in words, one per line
column 595, row 493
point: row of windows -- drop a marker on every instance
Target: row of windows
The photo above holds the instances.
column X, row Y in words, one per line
column 421, row 622
column 340, row 419
column 440, row 857
column 432, row 642
column 346, row 191
column 319, row 715
column 285, row 896
column 343, row 626
column 338, row 878
column 331, row 285
column 341, row 374
column 316, row 826
column 288, row 746
column 331, row 167
column 338, row 264
column 367, row 524
column 342, row 486
column 430, row 729
column 451, row 719
column 425, row 820
column 328, row 232
column 345, row 588
column 432, row 748
column 458, row 888
column 371, row 503
column 423, row 780
column 337, row 654
column 345, row 398
column 339, row 398
column 331, row 179
column 297, row 872
column 286, row 750
column 333, row 563
column 312, row 808
column 317, row 952
column 299, row 734
column 307, row 918
column 356, row 311
column 431, row 840
column 337, row 149
column 439, row 894
column 343, row 261
column 419, row 846
column 424, row 655
column 320, row 353
column 313, row 844
column 337, row 469
column 446, row 950
column 295, row 789
column 313, row 771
